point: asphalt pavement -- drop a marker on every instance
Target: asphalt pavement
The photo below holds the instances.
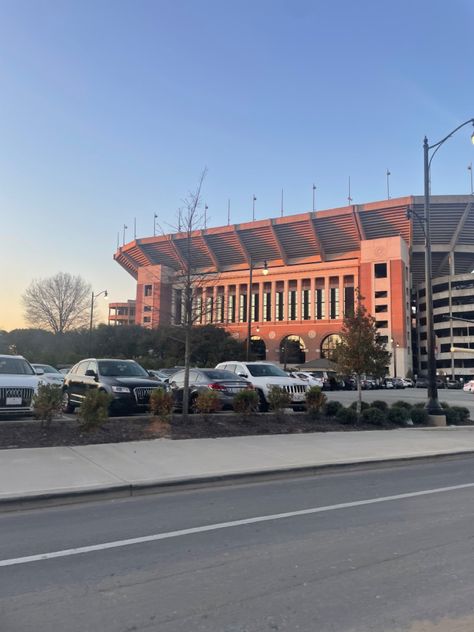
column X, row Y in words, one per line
column 385, row 549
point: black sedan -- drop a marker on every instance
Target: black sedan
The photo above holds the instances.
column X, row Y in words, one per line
column 225, row 383
column 125, row 380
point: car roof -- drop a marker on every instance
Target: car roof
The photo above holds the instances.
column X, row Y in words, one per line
column 9, row 355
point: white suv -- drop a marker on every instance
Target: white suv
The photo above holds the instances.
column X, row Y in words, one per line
column 18, row 383
column 263, row 376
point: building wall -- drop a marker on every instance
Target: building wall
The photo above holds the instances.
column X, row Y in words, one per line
column 453, row 313
column 303, row 282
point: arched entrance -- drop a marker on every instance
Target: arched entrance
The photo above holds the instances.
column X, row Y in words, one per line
column 292, row 350
column 258, row 349
column 328, row 346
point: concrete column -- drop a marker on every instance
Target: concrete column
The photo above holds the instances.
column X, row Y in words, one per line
column 326, row 297
column 299, row 299
column 286, row 285
column 273, row 311
column 260, row 301
column 312, row 299
column 226, row 303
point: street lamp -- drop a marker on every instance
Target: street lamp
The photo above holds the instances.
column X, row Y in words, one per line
column 249, row 304
column 93, row 297
column 433, row 407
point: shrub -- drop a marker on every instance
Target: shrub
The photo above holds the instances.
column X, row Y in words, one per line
column 398, row 415
column 378, row 403
column 94, row 410
column 347, row 416
column 374, row 416
column 463, row 413
column 402, row 404
column 207, row 402
column 332, row 408
column 47, row 403
column 363, row 406
column 444, row 405
column 419, row 405
column 315, row 401
column 419, row 415
column 278, row 399
column 161, row 402
column 245, row 402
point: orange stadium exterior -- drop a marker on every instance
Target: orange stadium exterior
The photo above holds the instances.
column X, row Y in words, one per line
column 314, row 262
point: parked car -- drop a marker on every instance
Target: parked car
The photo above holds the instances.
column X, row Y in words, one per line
column 306, row 376
column 421, row 382
column 49, row 373
column 469, row 387
column 18, row 384
column 225, row 383
column 388, row 383
column 453, row 384
column 128, row 383
column 264, row 375
column 398, row 382
column 163, row 378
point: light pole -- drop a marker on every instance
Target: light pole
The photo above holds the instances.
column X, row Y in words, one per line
column 249, row 305
column 433, row 407
column 254, row 199
column 93, row 297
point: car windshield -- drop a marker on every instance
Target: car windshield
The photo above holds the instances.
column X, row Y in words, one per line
column 46, row 368
column 217, row 374
column 116, row 368
column 15, row 366
column 264, row 370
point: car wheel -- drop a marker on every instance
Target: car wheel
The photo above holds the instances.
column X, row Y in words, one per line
column 262, row 403
column 67, row 407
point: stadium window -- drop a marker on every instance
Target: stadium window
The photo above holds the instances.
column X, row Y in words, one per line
column 148, row 290
column 380, row 270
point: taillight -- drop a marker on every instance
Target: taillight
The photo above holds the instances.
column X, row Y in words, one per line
column 216, row 387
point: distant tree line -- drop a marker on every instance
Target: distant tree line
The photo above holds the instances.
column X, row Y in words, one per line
column 153, row 348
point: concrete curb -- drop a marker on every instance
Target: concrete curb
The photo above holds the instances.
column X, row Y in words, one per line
column 127, row 490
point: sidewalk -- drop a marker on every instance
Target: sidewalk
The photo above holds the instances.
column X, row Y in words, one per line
column 123, row 469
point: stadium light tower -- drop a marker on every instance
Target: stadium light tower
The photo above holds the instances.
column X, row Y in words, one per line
column 433, row 407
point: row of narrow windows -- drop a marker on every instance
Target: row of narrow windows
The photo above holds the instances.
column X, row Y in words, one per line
column 320, row 308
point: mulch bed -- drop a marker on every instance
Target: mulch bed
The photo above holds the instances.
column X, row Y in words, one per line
column 67, row 432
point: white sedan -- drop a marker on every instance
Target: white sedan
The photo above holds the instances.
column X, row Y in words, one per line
column 469, row 387
column 49, row 374
column 311, row 379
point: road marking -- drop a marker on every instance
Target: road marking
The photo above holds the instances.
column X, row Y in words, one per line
column 224, row 525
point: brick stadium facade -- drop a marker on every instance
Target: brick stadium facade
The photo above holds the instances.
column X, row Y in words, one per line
column 315, row 262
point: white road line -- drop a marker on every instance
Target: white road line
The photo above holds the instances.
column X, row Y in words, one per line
column 224, row 525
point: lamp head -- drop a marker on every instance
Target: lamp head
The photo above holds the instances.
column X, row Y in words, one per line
column 472, row 135
column 265, row 268
column 105, row 294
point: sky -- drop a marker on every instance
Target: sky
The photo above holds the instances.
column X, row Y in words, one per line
column 111, row 109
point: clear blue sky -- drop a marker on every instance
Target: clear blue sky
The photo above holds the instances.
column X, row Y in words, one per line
column 109, row 110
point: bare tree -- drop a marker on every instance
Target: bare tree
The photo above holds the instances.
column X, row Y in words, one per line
column 191, row 279
column 58, row 303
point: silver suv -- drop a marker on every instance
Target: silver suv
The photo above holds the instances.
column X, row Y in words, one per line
column 18, row 383
column 264, row 375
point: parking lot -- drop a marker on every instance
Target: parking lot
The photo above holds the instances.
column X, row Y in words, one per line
column 411, row 395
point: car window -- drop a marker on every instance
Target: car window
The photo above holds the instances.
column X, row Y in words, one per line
column 218, row 374
column 92, row 366
column 121, row 368
column 15, row 366
column 178, row 378
column 264, row 370
column 82, row 367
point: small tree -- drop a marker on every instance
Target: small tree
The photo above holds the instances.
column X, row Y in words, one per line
column 360, row 351
column 161, row 402
column 278, row 399
column 245, row 403
column 315, row 401
column 47, row 403
column 94, row 409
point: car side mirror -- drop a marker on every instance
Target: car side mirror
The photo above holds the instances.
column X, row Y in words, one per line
column 242, row 374
column 39, row 371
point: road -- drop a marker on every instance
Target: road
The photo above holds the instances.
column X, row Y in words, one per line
column 360, row 550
